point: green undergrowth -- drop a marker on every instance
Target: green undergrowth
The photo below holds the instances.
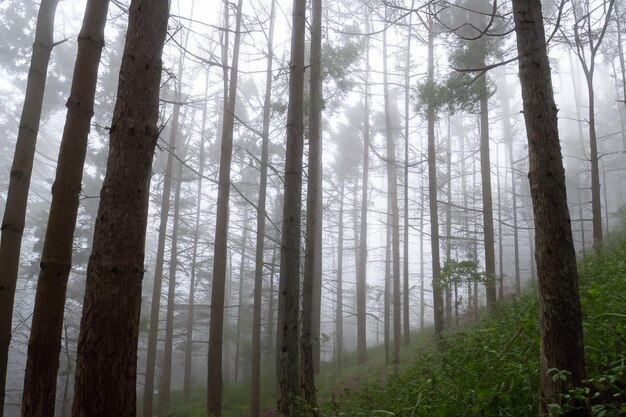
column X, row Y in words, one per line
column 491, row 367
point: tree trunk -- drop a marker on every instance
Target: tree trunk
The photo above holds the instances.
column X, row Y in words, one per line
column 361, row 273
column 422, row 208
column 405, row 257
column 559, row 306
column 242, row 273
column 155, row 308
column 449, row 220
column 312, row 283
column 255, row 367
column 339, row 311
column 432, row 192
column 387, row 295
column 392, row 189
column 19, row 183
column 500, row 246
column 166, row 371
column 44, row 345
column 596, row 201
column 196, row 235
column 288, row 327
column 485, row 171
column 216, row 326
column 107, row 347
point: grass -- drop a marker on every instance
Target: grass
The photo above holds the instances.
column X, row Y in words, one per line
column 488, row 368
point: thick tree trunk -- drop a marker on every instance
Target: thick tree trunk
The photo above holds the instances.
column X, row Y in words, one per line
column 312, row 283
column 596, row 201
column 255, row 366
column 288, row 328
column 107, row 346
column 44, row 345
column 19, row 183
column 155, row 308
column 432, row 193
column 216, row 326
column 559, row 306
column 166, row 371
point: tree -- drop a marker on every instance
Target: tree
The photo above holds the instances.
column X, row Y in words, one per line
column 19, row 183
column 287, row 355
column 312, row 283
column 255, row 371
column 560, row 319
column 586, row 44
column 44, row 345
column 216, row 326
column 106, row 365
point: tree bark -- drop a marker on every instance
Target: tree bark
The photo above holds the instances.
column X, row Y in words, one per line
column 339, row 311
column 44, row 345
column 288, row 361
column 485, row 173
column 107, row 348
column 255, row 367
column 242, row 273
column 559, row 306
column 432, row 193
column 312, row 283
column 19, row 183
column 216, row 326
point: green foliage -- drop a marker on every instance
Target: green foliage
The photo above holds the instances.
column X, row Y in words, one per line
column 492, row 367
column 459, row 272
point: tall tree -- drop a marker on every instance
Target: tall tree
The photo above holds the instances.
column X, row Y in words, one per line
column 432, row 190
column 361, row 273
column 155, row 308
column 44, row 345
column 288, row 361
column 586, row 44
column 255, row 366
column 19, row 183
column 106, row 365
column 392, row 189
column 559, row 305
column 312, row 283
column 216, row 326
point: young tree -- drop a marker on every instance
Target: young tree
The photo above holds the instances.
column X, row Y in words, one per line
column 106, row 368
column 44, row 344
column 287, row 355
column 559, row 305
column 216, row 326
column 19, row 183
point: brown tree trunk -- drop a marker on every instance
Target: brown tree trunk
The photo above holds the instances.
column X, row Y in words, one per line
column 44, row 345
column 422, row 208
column 19, row 183
column 559, row 306
column 312, row 283
column 242, row 273
column 432, row 193
column 361, row 273
column 500, row 244
column 448, row 294
column 288, row 361
column 106, row 366
column 392, row 189
column 255, row 367
column 485, row 171
column 155, row 307
column 216, row 326
column 166, row 370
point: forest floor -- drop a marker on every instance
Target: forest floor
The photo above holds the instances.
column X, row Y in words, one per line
column 489, row 367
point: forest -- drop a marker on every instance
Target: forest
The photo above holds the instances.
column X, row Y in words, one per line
column 312, row 209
